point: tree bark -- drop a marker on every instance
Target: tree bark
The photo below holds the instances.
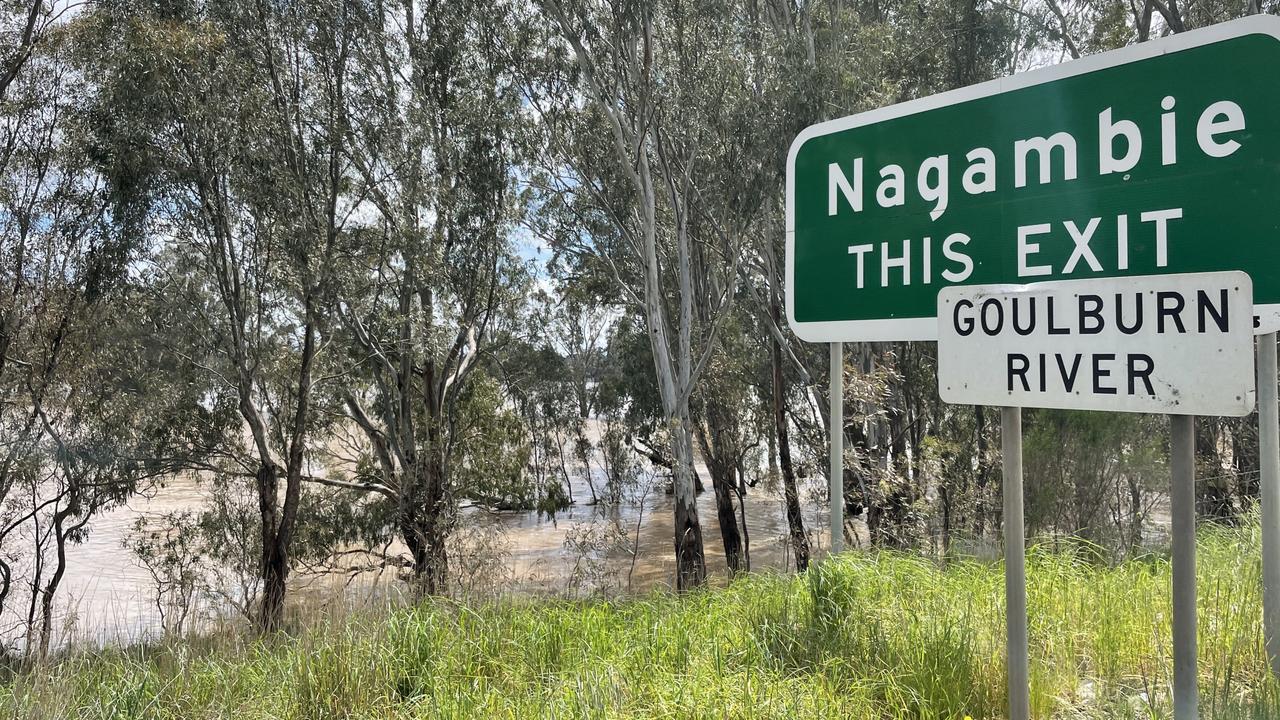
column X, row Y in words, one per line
column 716, row 450
column 274, row 563
column 790, row 493
column 980, row 483
column 434, row 574
column 691, row 567
column 635, row 139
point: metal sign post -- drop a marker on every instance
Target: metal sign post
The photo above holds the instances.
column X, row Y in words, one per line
column 1182, row 443
column 1269, row 490
column 1015, row 570
column 837, row 447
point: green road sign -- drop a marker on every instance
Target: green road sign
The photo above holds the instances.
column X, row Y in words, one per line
column 1155, row 159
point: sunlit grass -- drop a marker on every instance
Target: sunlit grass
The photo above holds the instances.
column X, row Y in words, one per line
column 870, row 635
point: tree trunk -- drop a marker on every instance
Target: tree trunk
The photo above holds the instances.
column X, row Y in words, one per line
column 51, row 589
column 424, row 517
column 715, row 451
column 742, row 512
column 1213, row 496
column 1135, row 513
column 728, row 518
column 273, row 568
column 633, row 140
column 436, row 525
column 691, row 565
column 582, row 450
column 944, row 491
column 1244, row 458
column 412, row 528
column 275, row 573
column 980, row 483
column 795, row 519
column 6, row 584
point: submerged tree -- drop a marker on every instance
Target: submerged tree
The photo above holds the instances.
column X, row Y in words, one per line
column 644, row 161
column 436, row 132
column 233, row 116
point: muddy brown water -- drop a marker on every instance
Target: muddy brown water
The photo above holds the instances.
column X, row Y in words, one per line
column 108, row 597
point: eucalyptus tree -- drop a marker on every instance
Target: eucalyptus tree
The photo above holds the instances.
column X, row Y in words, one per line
column 1082, row 28
column 57, row 273
column 639, row 162
column 34, row 106
column 534, row 377
column 727, row 437
column 578, row 326
column 1096, row 475
column 225, row 122
column 552, row 374
column 811, row 62
column 23, row 27
column 84, row 419
column 29, row 153
column 435, row 135
column 119, row 420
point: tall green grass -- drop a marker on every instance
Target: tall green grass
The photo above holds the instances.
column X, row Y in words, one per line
column 875, row 635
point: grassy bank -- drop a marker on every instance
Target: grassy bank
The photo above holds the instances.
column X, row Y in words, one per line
column 868, row 636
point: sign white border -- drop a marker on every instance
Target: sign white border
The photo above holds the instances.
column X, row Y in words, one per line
column 926, row 328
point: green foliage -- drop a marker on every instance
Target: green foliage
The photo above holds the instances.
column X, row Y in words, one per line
column 1094, row 475
column 210, row 560
column 492, row 448
column 882, row 635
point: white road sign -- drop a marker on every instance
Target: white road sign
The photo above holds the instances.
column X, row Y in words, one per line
column 1179, row 344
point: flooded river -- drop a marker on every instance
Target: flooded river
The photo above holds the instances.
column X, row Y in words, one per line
column 109, row 597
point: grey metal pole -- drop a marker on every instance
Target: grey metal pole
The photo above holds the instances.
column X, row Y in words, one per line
column 1182, row 443
column 1015, row 570
column 1269, row 490
column 837, row 447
